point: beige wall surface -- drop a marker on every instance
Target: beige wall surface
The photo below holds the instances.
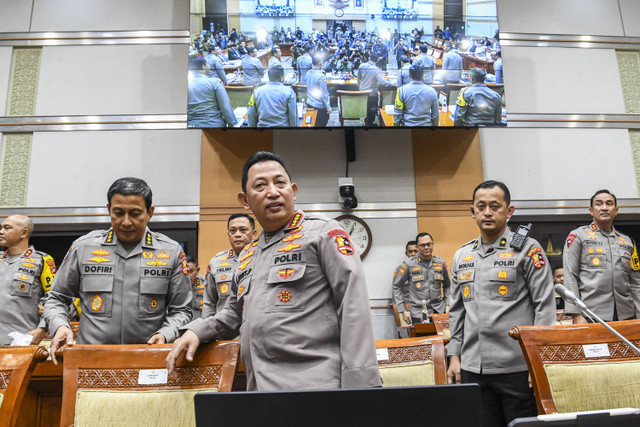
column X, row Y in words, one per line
column 551, row 80
column 113, row 80
column 111, row 15
column 592, row 17
column 550, row 164
column 75, row 169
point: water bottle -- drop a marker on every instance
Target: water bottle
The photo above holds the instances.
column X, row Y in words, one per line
column 425, row 313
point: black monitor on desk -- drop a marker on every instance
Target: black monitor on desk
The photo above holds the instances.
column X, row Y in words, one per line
column 444, row 405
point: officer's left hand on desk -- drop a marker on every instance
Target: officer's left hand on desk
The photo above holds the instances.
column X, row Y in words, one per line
column 157, row 339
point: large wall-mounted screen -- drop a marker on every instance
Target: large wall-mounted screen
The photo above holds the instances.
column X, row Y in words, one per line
column 344, row 63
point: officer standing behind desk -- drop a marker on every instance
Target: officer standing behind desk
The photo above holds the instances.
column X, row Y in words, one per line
column 422, row 277
column 252, row 69
column 273, row 104
column 208, row 104
column 369, row 78
column 197, row 286
column 478, row 104
column 25, row 278
column 241, row 230
column 300, row 299
column 133, row 283
column 416, row 104
column 318, row 93
column 601, row 265
column 452, row 63
column 495, row 287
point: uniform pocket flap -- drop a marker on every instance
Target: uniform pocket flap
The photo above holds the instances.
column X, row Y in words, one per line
column 21, row 277
column 154, row 286
column 503, row 274
column 97, row 283
column 283, row 274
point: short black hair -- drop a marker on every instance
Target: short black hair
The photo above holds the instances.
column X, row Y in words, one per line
column 492, row 184
column 308, row 48
column 250, row 50
column 557, row 267
column 131, row 186
column 260, row 156
column 498, row 53
column 409, row 243
column 317, row 60
column 604, row 191
column 242, row 215
column 191, row 259
column 197, row 62
column 404, row 58
column 478, row 75
column 275, row 73
column 424, row 48
column 416, row 72
column 274, row 50
column 423, row 234
column 373, row 57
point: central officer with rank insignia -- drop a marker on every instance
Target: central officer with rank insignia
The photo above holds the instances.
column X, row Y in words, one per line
column 421, row 277
column 300, row 299
column 133, row 284
column 499, row 280
column 241, row 231
column 601, row 265
column 25, row 278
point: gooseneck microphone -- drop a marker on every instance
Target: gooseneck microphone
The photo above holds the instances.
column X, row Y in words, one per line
column 571, row 298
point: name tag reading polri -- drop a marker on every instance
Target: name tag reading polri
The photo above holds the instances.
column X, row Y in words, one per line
column 596, row 350
column 382, row 354
column 152, row 376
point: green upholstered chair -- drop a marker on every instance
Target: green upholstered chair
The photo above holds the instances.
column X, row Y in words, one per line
column 582, row 367
column 239, row 95
column 352, row 104
column 412, row 361
column 387, row 96
column 127, row 385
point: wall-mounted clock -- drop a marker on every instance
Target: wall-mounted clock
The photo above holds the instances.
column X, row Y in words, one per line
column 359, row 233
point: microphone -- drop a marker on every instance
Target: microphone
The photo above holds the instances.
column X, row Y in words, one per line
column 570, row 297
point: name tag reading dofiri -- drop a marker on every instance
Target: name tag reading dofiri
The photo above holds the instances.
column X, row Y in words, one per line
column 382, row 353
column 596, row 350
column 152, row 376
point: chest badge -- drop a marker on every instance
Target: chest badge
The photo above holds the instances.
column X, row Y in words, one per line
column 503, row 290
column 468, row 258
column 502, row 275
column 596, row 261
column 99, row 259
column 285, row 296
column 153, row 304
column 418, row 285
column 100, row 252
column 224, row 289
column 466, row 291
column 96, row 303
column 286, row 273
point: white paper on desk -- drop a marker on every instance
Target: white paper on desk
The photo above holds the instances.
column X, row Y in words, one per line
column 240, row 112
column 390, row 109
column 153, row 376
column 596, row 350
column 20, row 339
column 382, row 354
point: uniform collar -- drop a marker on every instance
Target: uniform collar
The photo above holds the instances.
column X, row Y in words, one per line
column 294, row 223
column 499, row 244
column 25, row 254
column 148, row 242
column 593, row 226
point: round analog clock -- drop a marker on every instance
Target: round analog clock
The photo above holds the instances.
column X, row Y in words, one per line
column 359, row 233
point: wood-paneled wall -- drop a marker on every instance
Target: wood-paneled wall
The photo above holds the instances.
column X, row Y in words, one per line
column 222, row 156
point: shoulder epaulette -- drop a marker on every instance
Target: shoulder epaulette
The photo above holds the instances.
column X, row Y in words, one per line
column 470, row 242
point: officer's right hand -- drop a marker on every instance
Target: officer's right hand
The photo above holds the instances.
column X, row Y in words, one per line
column 453, row 373
column 188, row 342
column 407, row 317
column 63, row 335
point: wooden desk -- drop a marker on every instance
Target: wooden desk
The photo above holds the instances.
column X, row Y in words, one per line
column 423, row 329
column 445, row 119
column 469, row 62
column 285, row 48
column 42, row 402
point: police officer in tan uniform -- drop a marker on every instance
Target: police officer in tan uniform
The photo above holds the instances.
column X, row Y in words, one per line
column 300, row 298
column 25, row 278
column 601, row 265
column 241, row 231
column 422, row 277
column 197, row 286
column 495, row 287
column 133, row 283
